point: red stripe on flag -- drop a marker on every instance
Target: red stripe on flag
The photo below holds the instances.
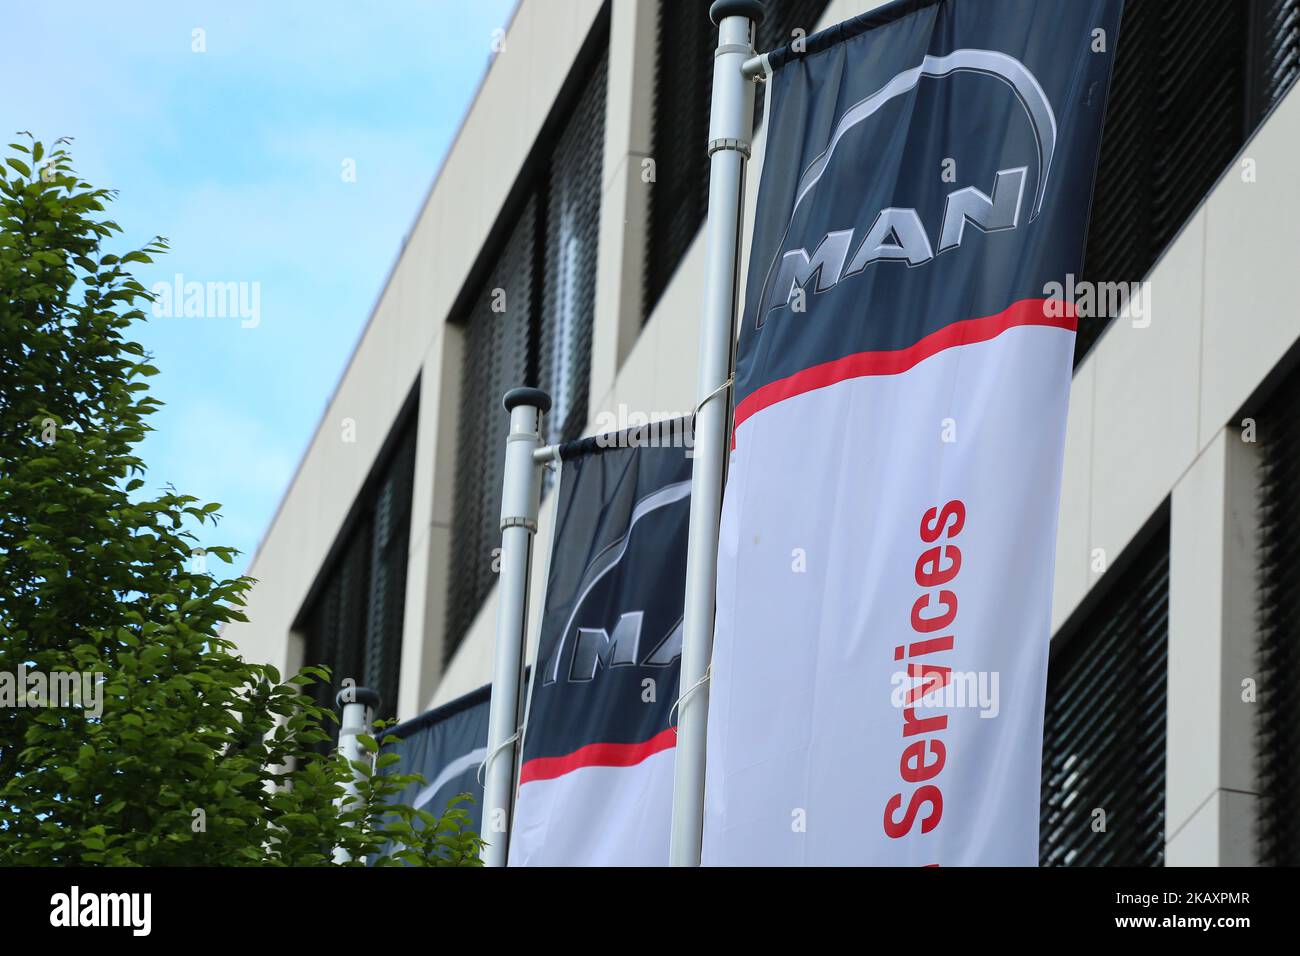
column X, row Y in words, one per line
column 860, row 364
column 597, row 755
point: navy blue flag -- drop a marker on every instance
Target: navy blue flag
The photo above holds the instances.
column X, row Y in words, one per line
column 902, row 382
column 595, row 785
column 446, row 746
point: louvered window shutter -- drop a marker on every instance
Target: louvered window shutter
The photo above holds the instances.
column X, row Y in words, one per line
column 1104, row 726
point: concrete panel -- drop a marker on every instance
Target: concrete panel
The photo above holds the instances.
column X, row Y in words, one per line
column 1210, row 742
column 617, row 318
column 1073, row 541
column 634, row 386
column 421, row 668
column 1238, row 828
column 1196, row 842
column 1241, row 608
column 1251, row 317
column 840, row 10
column 1220, row 833
column 677, row 336
column 417, row 325
column 426, row 574
column 629, row 114
column 1196, row 570
column 1145, row 405
column 445, row 378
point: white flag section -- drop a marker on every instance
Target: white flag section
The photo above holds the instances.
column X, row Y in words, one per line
column 888, row 532
column 924, row 559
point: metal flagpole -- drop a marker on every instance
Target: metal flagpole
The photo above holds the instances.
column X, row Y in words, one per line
column 543, row 457
column 520, row 499
column 731, row 124
column 359, row 705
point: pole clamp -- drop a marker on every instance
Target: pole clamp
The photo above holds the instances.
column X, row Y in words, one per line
column 739, row 145
column 528, row 524
column 743, row 48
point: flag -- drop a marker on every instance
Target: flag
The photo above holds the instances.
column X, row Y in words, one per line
column 902, row 379
column 446, row 746
column 596, row 779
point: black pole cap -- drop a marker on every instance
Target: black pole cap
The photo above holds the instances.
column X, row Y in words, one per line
column 357, row 695
column 527, row 396
column 752, row 9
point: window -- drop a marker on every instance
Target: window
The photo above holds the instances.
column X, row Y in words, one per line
column 528, row 321
column 1104, row 726
column 353, row 618
column 1279, row 634
column 1191, row 82
column 1275, row 52
column 572, row 237
column 679, row 198
column 498, row 330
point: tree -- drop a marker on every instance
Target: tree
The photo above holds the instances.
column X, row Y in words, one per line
column 131, row 733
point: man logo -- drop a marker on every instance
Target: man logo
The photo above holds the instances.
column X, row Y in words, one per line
column 595, row 638
column 897, row 234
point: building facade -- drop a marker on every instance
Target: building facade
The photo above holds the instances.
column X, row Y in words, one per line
column 560, row 246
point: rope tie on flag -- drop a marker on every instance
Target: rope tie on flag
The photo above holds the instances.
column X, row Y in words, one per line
column 709, row 397
column 708, row 672
column 478, row 774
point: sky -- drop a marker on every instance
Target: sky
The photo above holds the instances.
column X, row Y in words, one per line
column 282, row 146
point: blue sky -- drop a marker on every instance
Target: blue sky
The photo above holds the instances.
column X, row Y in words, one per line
column 240, row 156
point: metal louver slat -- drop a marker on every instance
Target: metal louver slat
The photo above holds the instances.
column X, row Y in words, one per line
column 354, row 576
column 1279, row 628
column 1177, row 114
column 390, row 535
column 1191, row 82
column 1275, row 52
column 1281, row 63
column 679, row 196
column 529, row 323
column 354, row 623
column 1104, row 725
column 496, row 359
column 336, row 623
column 572, row 243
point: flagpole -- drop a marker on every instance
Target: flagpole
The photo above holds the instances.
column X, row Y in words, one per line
column 358, row 706
column 520, row 500
column 731, row 125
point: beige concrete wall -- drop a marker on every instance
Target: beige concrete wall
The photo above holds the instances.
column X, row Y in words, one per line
column 1211, row 785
